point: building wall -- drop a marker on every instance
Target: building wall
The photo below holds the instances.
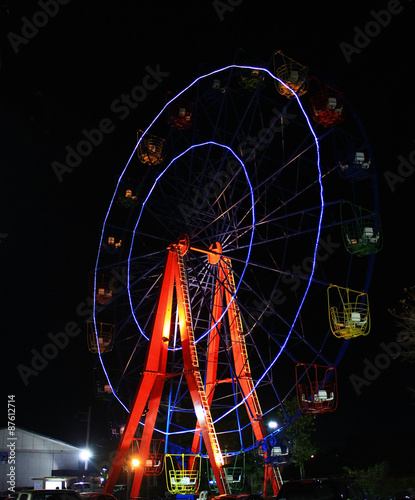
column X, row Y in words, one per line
column 32, row 455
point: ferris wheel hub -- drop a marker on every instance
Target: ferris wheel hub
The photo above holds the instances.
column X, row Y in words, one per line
column 215, row 253
column 184, row 243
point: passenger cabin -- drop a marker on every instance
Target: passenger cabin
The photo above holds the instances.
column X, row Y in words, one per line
column 151, row 149
column 179, row 112
column 100, row 336
column 327, row 104
column 293, row 74
column 316, row 388
column 349, row 314
column 183, row 473
column 361, row 230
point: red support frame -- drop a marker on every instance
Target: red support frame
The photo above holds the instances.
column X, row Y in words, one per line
column 224, row 298
column 154, row 375
column 242, row 368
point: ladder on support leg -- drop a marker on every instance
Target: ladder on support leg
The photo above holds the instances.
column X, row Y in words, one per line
column 195, row 373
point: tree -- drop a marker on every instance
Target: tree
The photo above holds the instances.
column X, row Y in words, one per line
column 299, row 435
column 372, row 479
column 254, row 472
column 405, row 320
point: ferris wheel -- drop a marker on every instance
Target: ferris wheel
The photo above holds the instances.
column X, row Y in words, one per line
column 233, row 269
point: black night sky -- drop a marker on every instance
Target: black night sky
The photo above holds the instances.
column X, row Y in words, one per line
column 70, row 73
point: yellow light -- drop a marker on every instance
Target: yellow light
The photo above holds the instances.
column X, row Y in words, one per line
column 200, row 412
column 135, row 462
column 166, row 331
column 219, row 460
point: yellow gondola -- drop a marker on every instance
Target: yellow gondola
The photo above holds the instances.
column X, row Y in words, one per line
column 183, row 472
column 349, row 313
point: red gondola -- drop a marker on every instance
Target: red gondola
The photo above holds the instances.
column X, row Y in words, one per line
column 327, row 104
column 316, row 388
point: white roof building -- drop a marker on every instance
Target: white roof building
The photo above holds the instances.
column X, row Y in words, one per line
column 25, row 455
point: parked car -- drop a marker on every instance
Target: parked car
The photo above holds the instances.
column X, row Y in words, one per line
column 97, row 495
column 329, row 488
column 36, row 494
column 120, row 492
column 81, row 487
